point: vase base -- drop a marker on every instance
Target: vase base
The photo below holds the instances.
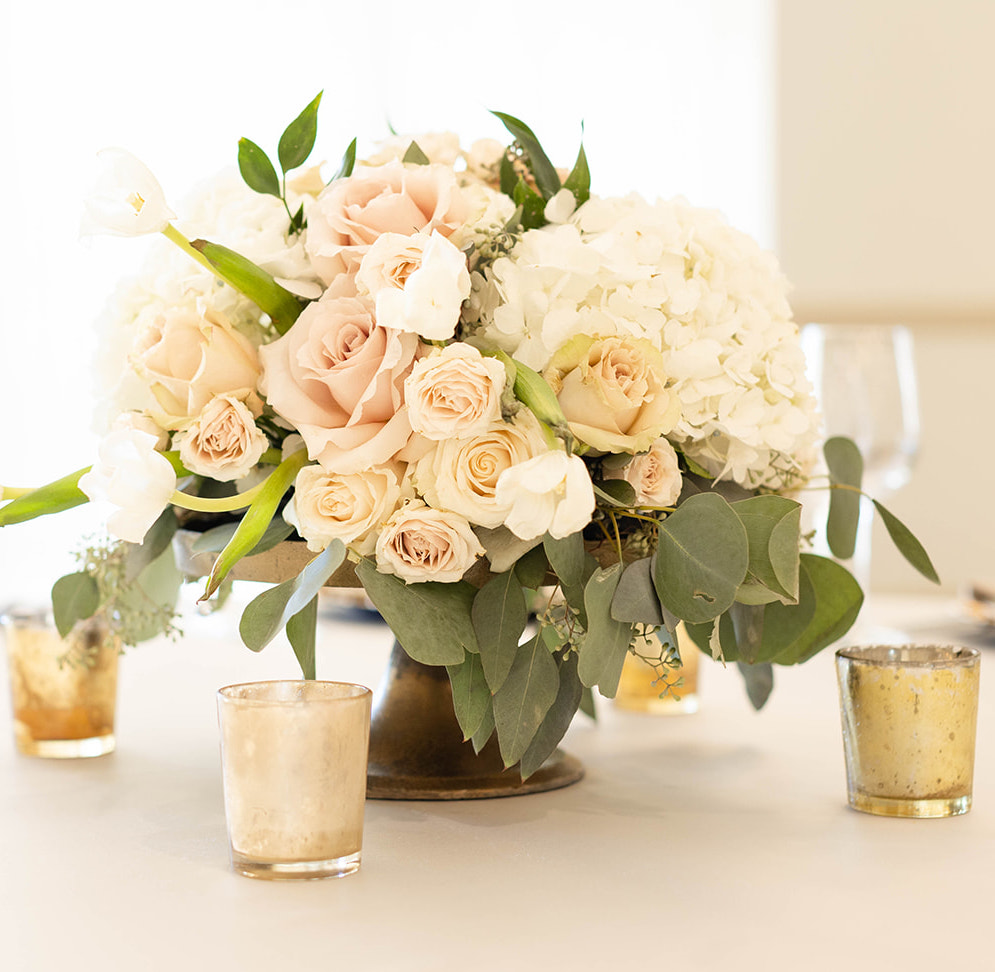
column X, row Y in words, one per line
column 558, row 771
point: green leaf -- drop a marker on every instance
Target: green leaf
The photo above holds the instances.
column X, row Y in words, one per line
column 701, row 635
column 75, row 597
column 348, row 163
column 158, row 584
column 256, row 519
column 829, row 598
column 604, row 647
column 579, row 180
column 533, row 206
column 486, row 730
column 215, row 539
column 532, row 567
column 157, row 539
column 499, row 617
column 846, row 469
column 265, row 616
column 252, row 281
column 773, row 530
column 759, row 681
column 635, row 600
column 748, row 624
column 538, row 162
column 63, row 494
column 508, row 176
column 523, row 701
column 557, row 719
column 431, row 621
column 256, row 169
column 298, row 138
column 908, row 546
column 702, row 557
column 566, row 556
column 616, row 492
column 471, row 696
column 302, row 632
column 415, row 155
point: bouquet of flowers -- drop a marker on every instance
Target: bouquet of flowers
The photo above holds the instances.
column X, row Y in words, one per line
column 471, row 384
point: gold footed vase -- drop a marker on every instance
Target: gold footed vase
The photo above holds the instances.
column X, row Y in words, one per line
column 417, row 750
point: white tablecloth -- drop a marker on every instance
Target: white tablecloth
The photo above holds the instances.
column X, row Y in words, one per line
column 720, row 840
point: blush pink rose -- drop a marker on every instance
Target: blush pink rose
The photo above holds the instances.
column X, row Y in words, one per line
column 396, row 198
column 338, row 378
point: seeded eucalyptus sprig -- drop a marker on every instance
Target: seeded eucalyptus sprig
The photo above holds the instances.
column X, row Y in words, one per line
column 294, row 147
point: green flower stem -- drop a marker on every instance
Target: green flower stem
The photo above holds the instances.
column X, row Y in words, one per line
column 221, row 504
column 175, row 236
column 12, row 492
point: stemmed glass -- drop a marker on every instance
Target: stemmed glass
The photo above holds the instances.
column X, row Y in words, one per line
column 865, row 382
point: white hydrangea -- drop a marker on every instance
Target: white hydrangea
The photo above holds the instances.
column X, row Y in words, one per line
column 706, row 295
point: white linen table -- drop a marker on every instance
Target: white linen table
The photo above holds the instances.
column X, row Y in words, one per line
column 720, row 840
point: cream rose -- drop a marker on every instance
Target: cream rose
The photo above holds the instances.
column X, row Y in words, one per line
column 419, row 283
column 654, row 475
column 133, row 476
column 613, row 392
column 421, row 544
column 549, row 494
column 224, row 442
column 338, row 378
column 186, row 358
column 394, row 198
column 455, row 391
column 351, row 508
column 462, row 474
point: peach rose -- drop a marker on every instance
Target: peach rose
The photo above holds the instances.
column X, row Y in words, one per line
column 394, row 198
column 187, row 358
column 613, row 392
column 338, row 378
column 455, row 391
column 421, row 544
column 351, row 508
column 223, row 443
column 654, row 475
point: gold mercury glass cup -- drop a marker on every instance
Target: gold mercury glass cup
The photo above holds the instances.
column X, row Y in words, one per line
column 63, row 691
column 909, row 716
column 294, row 759
column 640, row 688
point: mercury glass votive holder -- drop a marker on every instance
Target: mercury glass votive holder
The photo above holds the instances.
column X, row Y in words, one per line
column 909, row 718
column 63, row 690
column 294, row 757
column 642, row 689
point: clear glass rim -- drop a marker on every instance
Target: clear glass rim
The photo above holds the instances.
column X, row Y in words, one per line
column 901, row 656
column 268, row 692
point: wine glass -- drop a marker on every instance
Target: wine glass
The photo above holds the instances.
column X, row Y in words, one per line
column 865, row 382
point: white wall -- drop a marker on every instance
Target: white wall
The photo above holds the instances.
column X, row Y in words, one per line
column 674, row 97
column 885, row 203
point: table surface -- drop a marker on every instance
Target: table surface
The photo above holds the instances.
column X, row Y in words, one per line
column 719, row 840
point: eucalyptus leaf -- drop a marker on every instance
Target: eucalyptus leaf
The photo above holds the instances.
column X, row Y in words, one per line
column 252, row 527
column 431, row 621
column 908, row 546
column 701, row 559
column 701, row 635
column 532, row 567
column 616, row 492
column 557, row 719
column 54, row 497
column 579, row 180
column 471, row 696
column 75, row 597
column 217, row 538
column 158, row 537
column 157, row 585
column 302, row 632
column 524, row 699
column 266, row 615
column 748, row 624
column 538, row 162
column 256, row 169
column 846, row 470
column 297, row 140
column 499, row 617
column 759, row 681
column 253, row 282
column 566, row 556
column 773, row 530
column 635, row 600
column 486, row 729
column 603, row 650
column 503, row 548
column 347, row 164
column 415, row 156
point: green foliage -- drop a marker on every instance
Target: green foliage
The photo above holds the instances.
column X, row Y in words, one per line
column 297, row 140
column 257, row 170
column 579, row 180
column 908, row 546
column 604, row 647
column 773, row 531
column 75, row 597
column 499, row 616
column 302, row 631
column 543, row 171
column 635, row 600
column 471, row 696
column 557, row 719
column 348, row 163
column 846, row 470
column 63, row 494
column 415, row 156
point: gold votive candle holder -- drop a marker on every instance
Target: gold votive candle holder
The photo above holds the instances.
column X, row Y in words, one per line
column 642, row 687
column 909, row 717
column 63, row 690
column 294, row 757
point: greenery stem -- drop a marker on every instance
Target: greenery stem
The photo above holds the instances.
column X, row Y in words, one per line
column 12, row 492
column 175, row 236
column 221, row 504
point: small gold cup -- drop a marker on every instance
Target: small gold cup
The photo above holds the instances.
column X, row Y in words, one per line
column 294, row 757
column 909, row 718
column 63, row 690
column 644, row 688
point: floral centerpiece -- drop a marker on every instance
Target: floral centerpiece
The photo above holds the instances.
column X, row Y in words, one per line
column 471, row 379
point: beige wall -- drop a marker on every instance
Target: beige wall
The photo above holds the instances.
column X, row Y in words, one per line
column 885, row 211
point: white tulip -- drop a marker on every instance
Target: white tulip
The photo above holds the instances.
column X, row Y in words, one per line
column 126, row 200
column 549, row 494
